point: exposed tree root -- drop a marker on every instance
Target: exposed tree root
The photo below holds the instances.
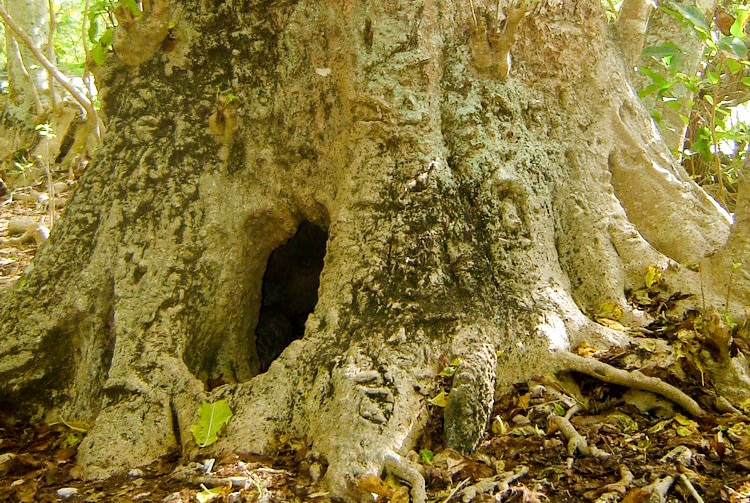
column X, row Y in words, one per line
column 29, row 230
column 498, row 483
column 576, row 441
column 634, row 379
column 614, row 491
column 657, row 491
column 407, row 471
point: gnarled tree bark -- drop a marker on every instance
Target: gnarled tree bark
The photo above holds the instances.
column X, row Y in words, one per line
column 466, row 215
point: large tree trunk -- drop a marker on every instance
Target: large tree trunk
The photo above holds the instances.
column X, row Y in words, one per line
column 466, row 214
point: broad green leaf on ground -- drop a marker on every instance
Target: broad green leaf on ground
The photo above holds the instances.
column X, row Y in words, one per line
column 213, row 417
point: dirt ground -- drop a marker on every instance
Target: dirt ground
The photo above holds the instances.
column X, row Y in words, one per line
column 567, row 438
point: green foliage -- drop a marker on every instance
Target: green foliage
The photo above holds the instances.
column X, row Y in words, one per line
column 67, row 40
column 101, row 23
column 213, row 417
column 718, row 139
column 612, row 9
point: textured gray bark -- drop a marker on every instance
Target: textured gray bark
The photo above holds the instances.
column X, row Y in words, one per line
column 467, row 216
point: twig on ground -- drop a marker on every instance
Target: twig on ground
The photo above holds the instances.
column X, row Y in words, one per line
column 690, row 488
column 456, row 489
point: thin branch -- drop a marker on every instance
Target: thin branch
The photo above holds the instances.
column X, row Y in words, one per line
column 86, row 72
column 52, row 69
column 690, row 488
column 51, row 50
column 22, row 66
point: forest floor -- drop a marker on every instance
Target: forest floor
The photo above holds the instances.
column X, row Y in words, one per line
column 566, row 438
column 15, row 257
column 632, row 456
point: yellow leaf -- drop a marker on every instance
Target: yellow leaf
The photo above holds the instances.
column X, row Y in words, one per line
column 609, row 309
column 682, row 431
column 374, row 484
column 653, row 276
column 614, row 325
column 401, row 495
column 684, row 421
column 210, row 494
column 523, row 401
column 686, row 427
column 440, row 400
column 392, row 482
column 586, row 350
column 658, row 427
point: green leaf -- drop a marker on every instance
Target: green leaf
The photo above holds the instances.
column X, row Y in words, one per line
column 106, row 39
column 132, row 7
column 733, row 45
column 99, row 54
column 93, row 28
column 448, row 371
column 739, row 21
column 734, row 66
column 213, row 417
column 661, row 51
column 693, row 16
column 426, row 456
column 656, row 77
column 746, row 81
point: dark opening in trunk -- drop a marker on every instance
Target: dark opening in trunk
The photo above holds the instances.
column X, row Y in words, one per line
column 290, row 291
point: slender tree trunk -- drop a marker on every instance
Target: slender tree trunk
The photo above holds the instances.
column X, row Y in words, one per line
column 27, row 79
column 662, row 28
column 466, row 214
